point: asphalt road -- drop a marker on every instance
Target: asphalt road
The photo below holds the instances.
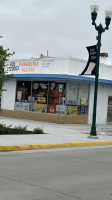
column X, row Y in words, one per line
column 81, row 173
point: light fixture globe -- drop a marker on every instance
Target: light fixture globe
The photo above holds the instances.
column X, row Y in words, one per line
column 94, row 10
column 108, row 13
column 108, row 16
column 94, row 7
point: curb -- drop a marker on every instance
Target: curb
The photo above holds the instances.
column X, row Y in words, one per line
column 50, row 145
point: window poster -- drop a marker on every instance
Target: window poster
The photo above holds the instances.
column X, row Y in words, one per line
column 39, row 107
column 22, row 106
column 19, row 95
column 71, row 110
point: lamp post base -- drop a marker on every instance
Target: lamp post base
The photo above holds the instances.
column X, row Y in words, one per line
column 93, row 137
column 93, row 134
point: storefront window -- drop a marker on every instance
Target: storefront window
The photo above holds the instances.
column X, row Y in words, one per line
column 39, row 97
column 23, row 91
column 68, row 98
column 77, row 98
column 57, row 94
column 83, row 95
column 72, row 89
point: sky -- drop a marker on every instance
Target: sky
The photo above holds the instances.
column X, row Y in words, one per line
column 63, row 27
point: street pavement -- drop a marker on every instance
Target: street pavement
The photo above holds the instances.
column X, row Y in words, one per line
column 73, row 173
column 54, row 133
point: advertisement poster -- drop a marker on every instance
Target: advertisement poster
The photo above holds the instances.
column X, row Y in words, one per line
column 19, row 95
column 41, row 100
column 71, row 110
column 22, row 106
column 51, row 108
column 39, row 107
column 82, row 109
column 83, row 100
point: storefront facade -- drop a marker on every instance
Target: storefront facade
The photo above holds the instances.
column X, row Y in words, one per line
column 51, row 89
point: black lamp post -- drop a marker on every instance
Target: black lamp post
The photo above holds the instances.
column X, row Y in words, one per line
column 100, row 30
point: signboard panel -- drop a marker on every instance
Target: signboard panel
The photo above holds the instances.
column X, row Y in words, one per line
column 90, row 68
column 28, row 66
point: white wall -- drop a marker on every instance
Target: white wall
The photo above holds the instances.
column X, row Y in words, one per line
column 102, row 103
column 45, row 66
column 8, row 96
column 105, row 71
column 71, row 66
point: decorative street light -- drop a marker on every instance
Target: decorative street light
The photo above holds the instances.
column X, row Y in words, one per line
column 100, row 29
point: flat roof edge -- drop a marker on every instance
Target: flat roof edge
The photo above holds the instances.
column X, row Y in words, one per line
column 61, row 76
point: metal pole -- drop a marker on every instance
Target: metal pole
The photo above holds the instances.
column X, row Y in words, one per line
column 100, row 29
column 93, row 127
column 47, row 95
column 31, row 98
column 59, row 106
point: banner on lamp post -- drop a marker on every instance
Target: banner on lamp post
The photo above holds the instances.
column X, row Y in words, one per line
column 90, row 68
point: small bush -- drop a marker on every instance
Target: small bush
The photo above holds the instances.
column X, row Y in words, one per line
column 1, row 125
column 4, row 129
column 38, row 131
column 1, row 128
column 20, row 130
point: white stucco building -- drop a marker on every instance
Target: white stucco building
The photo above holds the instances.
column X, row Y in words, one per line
column 52, row 89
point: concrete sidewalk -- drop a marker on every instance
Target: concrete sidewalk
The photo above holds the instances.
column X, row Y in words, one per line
column 55, row 135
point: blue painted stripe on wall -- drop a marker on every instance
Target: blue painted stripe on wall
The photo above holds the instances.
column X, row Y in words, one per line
column 61, row 76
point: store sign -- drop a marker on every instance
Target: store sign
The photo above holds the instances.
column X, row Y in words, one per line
column 28, row 64
column 27, row 67
column 12, row 67
column 46, row 63
column 90, row 68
